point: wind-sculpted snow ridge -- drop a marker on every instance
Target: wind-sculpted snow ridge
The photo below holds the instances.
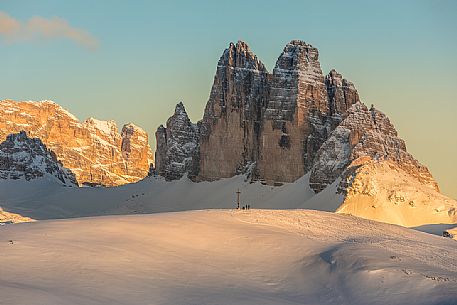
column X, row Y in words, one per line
column 27, row 158
column 225, row 257
column 93, row 150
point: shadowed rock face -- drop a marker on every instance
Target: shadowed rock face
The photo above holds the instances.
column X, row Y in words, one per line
column 93, row 150
column 27, row 158
column 176, row 144
column 230, row 128
column 341, row 93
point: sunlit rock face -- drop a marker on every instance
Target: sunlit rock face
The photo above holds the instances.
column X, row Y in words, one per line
column 364, row 133
column 93, row 150
column 22, row 157
column 176, row 144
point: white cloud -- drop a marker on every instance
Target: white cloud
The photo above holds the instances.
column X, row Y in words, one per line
column 12, row 30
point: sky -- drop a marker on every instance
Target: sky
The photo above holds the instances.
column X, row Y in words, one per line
column 132, row 61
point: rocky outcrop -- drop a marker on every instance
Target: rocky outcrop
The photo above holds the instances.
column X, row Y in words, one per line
column 176, row 144
column 364, row 133
column 93, row 150
column 22, row 157
column 341, row 93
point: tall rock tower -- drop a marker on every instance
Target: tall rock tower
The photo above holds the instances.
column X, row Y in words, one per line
column 230, row 129
column 293, row 118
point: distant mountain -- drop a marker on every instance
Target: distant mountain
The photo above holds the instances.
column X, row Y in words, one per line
column 93, row 150
column 276, row 127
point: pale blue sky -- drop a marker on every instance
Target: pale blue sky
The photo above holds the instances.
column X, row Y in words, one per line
column 401, row 55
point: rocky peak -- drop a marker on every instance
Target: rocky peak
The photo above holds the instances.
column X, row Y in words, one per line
column 341, row 93
column 296, row 114
column 297, row 84
column 180, row 109
column 231, row 123
column 93, row 150
column 240, row 56
column 28, row 158
column 176, row 144
column 364, row 133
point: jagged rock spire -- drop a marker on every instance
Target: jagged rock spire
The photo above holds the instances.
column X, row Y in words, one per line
column 239, row 55
column 175, row 144
column 230, row 129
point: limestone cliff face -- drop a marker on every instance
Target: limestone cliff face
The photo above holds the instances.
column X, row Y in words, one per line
column 22, row 157
column 93, row 150
column 294, row 117
column 230, row 129
column 341, row 93
column 176, row 144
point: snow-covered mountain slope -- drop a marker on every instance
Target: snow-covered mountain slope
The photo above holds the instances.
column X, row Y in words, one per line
column 41, row 199
column 225, row 257
column 384, row 191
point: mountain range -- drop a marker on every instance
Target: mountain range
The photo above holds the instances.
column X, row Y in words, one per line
column 292, row 128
